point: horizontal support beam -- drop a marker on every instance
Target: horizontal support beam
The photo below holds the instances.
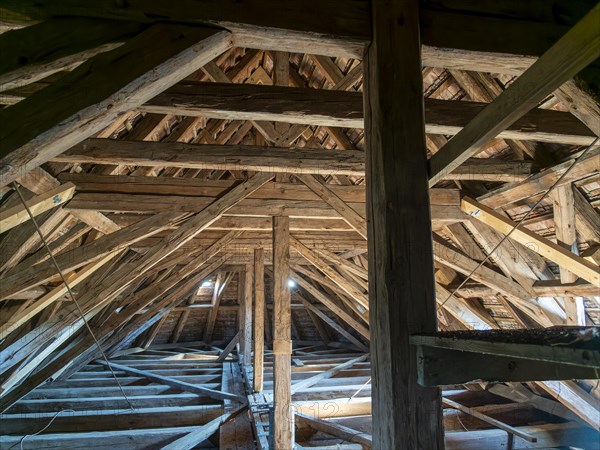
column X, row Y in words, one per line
column 343, row 28
column 219, row 157
column 265, row 159
column 576, row 346
column 345, row 109
column 443, row 366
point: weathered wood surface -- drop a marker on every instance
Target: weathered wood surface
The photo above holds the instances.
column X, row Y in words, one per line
column 18, row 214
column 581, row 44
column 401, row 282
column 283, row 423
column 345, row 109
column 222, row 157
column 87, row 96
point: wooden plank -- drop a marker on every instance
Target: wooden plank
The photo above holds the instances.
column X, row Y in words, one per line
column 541, row 182
column 337, row 430
column 331, row 305
column 345, row 109
column 283, row 422
column 576, row 399
column 354, row 219
column 220, row 157
column 401, row 282
column 581, row 44
column 575, row 354
column 188, row 387
column 311, row 381
column 17, row 281
column 229, row 348
column 39, row 204
column 22, row 316
column 169, row 52
column 488, row 419
column 236, row 434
column 259, row 319
column 554, row 252
column 443, row 366
column 202, row 433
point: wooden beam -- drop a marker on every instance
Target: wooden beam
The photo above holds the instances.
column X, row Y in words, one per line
column 539, row 183
column 259, row 319
column 575, row 398
column 459, row 35
column 39, row 204
column 18, row 281
column 35, row 52
column 283, row 422
column 229, row 348
column 488, row 419
column 246, row 338
column 333, row 306
column 325, row 318
column 169, row 52
column 214, row 311
column 345, row 109
column 202, row 433
column 351, row 288
column 554, row 252
column 320, row 188
column 256, row 24
column 570, row 346
column 23, row 315
column 276, row 159
column 581, row 44
column 177, row 384
column 337, row 430
column 401, row 282
column 220, row 157
column 311, row 381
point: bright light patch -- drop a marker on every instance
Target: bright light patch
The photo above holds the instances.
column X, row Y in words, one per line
column 291, row 283
column 207, row 283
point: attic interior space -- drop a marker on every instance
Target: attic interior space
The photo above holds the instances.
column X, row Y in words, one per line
column 319, row 224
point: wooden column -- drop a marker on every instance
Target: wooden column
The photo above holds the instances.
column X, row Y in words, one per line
column 401, row 281
column 246, row 338
column 259, row 318
column 283, row 433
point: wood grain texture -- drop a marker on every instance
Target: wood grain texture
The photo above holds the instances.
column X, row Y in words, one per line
column 581, row 43
column 344, row 109
column 283, row 429
column 401, row 282
column 85, row 101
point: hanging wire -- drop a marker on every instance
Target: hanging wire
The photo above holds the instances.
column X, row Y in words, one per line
column 64, row 280
column 518, row 224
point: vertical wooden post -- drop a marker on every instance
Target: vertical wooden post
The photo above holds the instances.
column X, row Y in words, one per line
column 566, row 236
column 259, row 318
column 401, row 282
column 246, row 338
column 283, row 432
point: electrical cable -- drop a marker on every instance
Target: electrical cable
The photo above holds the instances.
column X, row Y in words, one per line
column 564, row 174
column 64, row 280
